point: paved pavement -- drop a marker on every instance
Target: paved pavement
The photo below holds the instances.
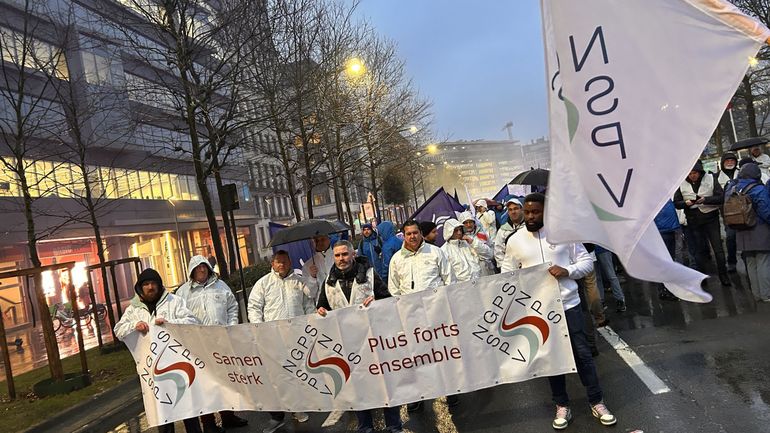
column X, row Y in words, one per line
column 713, row 359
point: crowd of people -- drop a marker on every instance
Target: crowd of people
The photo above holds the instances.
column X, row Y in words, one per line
column 386, row 264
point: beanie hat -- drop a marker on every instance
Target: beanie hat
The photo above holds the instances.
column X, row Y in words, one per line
column 749, row 171
column 426, row 227
column 148, row 274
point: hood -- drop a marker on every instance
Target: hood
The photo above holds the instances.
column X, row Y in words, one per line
column 194, row 262
column 726, row 156
column 449, row 227
column 465, row 216
column 148, row 274
column 699, row 167
column 750, row 171
column 387, row 230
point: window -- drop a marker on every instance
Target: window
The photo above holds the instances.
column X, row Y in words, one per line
column 99, row 69
column 32, row 53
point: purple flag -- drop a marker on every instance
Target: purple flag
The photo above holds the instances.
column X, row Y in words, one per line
column 438, row 208
column 299, row 251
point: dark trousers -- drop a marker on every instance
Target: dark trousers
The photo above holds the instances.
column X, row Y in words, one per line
column 705, row 235
column 583, row 360
column 278, row 416
column 670, row 240
column 191, row 425
column 732, row 247
column 392, row 418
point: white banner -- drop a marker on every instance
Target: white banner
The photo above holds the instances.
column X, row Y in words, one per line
column 636, row 89
column 456, row 339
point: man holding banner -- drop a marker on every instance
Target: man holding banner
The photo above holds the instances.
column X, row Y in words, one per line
column 569, row 262
column 279, row 295
column 352, row 281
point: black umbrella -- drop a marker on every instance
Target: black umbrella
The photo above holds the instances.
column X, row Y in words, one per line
column 306, row 229
column 536, row 177
column 749, row 142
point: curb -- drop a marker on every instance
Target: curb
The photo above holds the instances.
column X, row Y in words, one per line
column 99, row 413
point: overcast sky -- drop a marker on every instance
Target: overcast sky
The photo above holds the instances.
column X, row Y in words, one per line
column 480, row 62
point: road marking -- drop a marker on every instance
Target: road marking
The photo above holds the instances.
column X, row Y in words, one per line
column 645, row 373
column 333, row 418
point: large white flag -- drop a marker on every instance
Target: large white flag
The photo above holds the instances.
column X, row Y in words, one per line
column 635, row 90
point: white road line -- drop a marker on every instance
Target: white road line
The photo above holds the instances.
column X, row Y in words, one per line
column 333, row 418
column 645, row 373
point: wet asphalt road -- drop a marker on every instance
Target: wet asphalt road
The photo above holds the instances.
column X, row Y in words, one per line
column 715, row 358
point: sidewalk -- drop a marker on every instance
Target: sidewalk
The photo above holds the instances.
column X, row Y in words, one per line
column 98, row 414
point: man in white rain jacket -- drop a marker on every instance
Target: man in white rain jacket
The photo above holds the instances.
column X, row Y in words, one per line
column 487, row 218
column 466, row 253
column 153, row 304
column 476, row 230
column 315, row 270
column 418, row 265
column 513, row 222
column 570, row 262
column 213, row 304
column 279, row 295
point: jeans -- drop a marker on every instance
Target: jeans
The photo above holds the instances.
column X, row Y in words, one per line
column 705, row 235
column 732, row 248
column 670, row 240
column 692, row 245
column 583, row 360
column 758, row 266
column 392, row 418
column 606, row 269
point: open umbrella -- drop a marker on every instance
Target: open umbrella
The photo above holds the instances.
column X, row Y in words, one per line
column 306, row 229
column 536, row 176
column 749, row 142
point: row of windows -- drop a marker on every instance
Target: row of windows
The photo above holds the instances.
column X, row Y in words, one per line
column 64, row 180
column 162, row 141
column 147, row 92
column 32, row 53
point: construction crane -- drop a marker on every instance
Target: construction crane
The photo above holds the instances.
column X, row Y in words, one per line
column 509, row 127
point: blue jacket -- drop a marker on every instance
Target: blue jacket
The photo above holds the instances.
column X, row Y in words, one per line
column 756, row 238
column 371, row 248
column 667, row 219
column 390, row 245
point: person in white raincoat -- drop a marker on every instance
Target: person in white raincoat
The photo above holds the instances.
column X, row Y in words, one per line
column 153, row 304
column 213, row 304
column 279, row 295
column 466, row 253
column 315, row 270
column 207, row 296
column 474, row 229
column 487, row 218
column 418, row 265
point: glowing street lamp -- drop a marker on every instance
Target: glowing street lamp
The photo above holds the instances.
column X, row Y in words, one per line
column 355, row 67
column 753, row 61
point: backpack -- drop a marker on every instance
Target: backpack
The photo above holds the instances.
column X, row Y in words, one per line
column 738, row 209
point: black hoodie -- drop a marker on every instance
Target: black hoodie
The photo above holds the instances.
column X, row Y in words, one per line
column 149, row 274
column 730, row 172
column 356, row 272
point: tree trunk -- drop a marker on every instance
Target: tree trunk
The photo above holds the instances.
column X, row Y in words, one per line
column 290, row 185
column 49, row 336
column 750, row 114
column 225, row 217
column 346, row 195
column 718, row 138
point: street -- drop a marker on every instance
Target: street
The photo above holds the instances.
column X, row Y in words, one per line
column 712, row 358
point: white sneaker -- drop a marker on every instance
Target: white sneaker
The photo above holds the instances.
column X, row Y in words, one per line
column 301, row 416
column 273, row 425
column 600, row 412
column 562, row 418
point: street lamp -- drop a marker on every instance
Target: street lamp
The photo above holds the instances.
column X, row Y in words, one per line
column 355, row 67
column 179, row 242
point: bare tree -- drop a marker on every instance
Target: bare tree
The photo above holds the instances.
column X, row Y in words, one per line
column 192, row 53
column 29, row 119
